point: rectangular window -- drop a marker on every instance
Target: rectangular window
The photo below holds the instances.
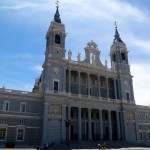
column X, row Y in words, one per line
column 20, row 134
column 81, row 114
column 56, row 86
column 141, row 136
column 106, row 116
column 97, row 115
column 3, row 120
column 148, row 136
column 21, row 121
column 92, row 115
column 23, row 107
column 6, row 105
column 71, row 113
column 127, row 95
column 2, row 133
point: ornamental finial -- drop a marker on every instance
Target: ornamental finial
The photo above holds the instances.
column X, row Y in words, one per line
column 115, row 23
column 57, row 3
column 57, row 15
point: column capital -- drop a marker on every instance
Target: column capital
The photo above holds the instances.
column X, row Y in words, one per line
column 98, row 75
column 79, row 71
column 69, row 69
column 100, row 110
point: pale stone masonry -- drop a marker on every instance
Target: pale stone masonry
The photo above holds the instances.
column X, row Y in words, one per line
column 98, row 100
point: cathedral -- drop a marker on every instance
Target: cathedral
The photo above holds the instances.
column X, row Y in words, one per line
column 75, row 100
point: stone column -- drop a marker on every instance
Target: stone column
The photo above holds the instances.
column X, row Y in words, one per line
column 64, row 81
column 115, row 89
column 125, row 125
column 69, row 82
column 99, row 88
column 89, row 124
column 136, row 126
column 45, row 124
column 88, row 77
column 110, row 126
column 68, row 115
column 79, row 84
column 63, row 135
column 132, row 90
column 79, row 125
column 107, row 87
column 118, row 125
column 101, row 124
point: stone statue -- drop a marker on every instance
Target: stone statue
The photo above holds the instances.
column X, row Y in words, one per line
column 113, row 66
column 69, row 55
column 106, row 63
column 79, row 57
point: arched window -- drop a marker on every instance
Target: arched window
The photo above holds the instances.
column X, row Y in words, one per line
column 57, row 39
column 114, row 57
column 123, row 56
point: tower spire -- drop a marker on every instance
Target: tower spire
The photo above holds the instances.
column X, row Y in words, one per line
column 57, row 15
column 117, row 36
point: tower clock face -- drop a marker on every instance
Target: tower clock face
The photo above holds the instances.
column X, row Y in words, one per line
column 57, row 39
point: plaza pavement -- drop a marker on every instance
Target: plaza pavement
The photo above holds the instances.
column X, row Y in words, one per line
column 132, row 148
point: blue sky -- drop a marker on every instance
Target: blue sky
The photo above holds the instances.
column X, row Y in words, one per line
column 23, row 25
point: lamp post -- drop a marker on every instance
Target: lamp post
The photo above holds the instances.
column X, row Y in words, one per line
column 67, row 122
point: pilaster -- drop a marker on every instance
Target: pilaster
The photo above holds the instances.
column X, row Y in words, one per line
column 118, row 125
column 89, row 124
column 101, row 124
column 79, row 125
column 110, row 125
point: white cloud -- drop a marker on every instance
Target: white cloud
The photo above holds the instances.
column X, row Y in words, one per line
column 28, row 87
column 141, row 84
column 17, row 6
column 106, row 9
column 37, row 68
column 143, row 45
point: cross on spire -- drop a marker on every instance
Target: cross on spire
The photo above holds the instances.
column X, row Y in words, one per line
column 57, row 3
column 117, row 36
column 57, row 15
column 115, row 23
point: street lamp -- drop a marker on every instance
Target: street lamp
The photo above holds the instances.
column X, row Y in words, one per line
column 67, row 122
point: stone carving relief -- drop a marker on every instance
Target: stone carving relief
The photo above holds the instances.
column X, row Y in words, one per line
column 56, row 70
column 54, row 111
column 130, row 117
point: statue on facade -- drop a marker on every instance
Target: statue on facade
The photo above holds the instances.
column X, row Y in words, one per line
column 113, row 66
column 93, row 59
column 69, row 55
column 106, row 64
column 79, row 57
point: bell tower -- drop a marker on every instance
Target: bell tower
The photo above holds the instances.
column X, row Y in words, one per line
column 54, row 55
column 55, row 38
column 119, row 54
column 120, row 64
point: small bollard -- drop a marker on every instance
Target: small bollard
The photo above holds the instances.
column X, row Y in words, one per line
column 104, row 145
column 99, row 146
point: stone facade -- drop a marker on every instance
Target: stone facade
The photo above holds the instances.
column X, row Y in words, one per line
column 98, row 100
